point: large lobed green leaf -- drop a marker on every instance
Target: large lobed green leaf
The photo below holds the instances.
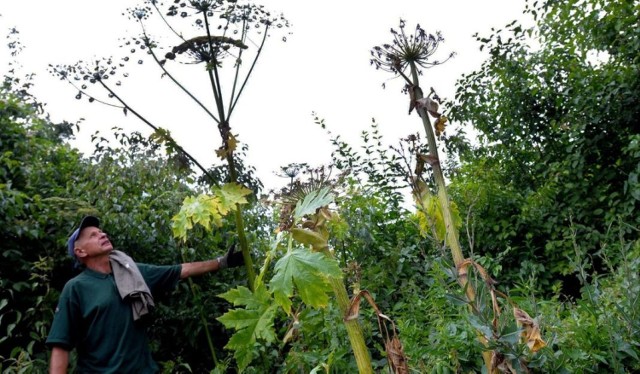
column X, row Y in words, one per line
column 308, row 271
column 253, row 322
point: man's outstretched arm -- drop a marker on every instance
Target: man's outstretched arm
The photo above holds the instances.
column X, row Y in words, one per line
column 59, row 361
column 230, row 260
column 191, row 269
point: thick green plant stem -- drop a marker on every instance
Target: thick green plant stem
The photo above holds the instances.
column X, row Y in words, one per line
column 246, row 255
column 354, row 330
column 451, row 229
column 225, row 131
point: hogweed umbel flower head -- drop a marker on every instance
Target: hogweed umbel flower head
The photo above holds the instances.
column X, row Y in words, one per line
column 417, row 48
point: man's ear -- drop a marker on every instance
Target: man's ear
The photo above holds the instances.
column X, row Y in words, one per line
column 79, row 252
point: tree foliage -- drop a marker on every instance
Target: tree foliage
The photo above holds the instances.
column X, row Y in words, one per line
column 556, row 107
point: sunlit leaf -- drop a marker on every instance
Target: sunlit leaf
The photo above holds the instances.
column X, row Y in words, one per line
column 221, row 153
column 231, row 194
column 201, row 210
column 207, row 210
column 232, row 143
column 231, row 146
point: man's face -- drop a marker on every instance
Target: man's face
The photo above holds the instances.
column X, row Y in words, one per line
column 92, row 242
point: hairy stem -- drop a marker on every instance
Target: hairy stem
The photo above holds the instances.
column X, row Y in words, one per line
column 354, row 330
column 451, row 229
column 225, row 131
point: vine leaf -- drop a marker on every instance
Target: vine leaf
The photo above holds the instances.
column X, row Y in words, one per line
column 253, row 322
column 313, row 201
column 309, row 272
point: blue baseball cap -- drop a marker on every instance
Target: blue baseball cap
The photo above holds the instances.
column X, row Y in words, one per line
column 88, row 221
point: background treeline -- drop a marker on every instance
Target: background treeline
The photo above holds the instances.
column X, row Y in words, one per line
column 547, row 194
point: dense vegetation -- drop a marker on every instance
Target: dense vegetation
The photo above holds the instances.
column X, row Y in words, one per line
column 545, row 197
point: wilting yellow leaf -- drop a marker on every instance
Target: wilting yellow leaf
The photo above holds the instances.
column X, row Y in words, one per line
column 221, row 152
column 430, row 215
column 531, row 333
column 232, row 143
column 304, row 236
column 440, row 124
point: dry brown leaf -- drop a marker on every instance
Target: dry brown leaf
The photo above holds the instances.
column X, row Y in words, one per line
column 412, row 98
column 531, row 333
column 397, row 359
column 396, row 355
column 429, row 105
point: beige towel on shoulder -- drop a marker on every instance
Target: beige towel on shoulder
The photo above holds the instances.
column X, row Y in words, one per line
column 131, row 284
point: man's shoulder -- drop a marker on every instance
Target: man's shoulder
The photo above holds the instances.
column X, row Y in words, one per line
column 79, row 280
column 74, row 282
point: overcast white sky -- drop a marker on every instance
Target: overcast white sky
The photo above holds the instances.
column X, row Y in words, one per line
column 323, row 67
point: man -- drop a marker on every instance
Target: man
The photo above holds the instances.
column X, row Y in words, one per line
column 95, row 316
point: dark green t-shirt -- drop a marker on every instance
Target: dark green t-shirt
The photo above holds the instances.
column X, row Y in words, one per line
column 92, row 318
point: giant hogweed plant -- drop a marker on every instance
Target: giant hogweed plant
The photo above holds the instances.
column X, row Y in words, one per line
column 510, row 343
column 307, row 273
column 218, row 36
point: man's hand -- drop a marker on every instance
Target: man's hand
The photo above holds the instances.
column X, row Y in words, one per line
column 232, row 259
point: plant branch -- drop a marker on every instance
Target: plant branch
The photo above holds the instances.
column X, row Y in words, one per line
column 91, row 96
column 215, row 82
column 155, row 128
column 155, row 5
column 166, row 72
column 235, row 101
column 238, row 64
